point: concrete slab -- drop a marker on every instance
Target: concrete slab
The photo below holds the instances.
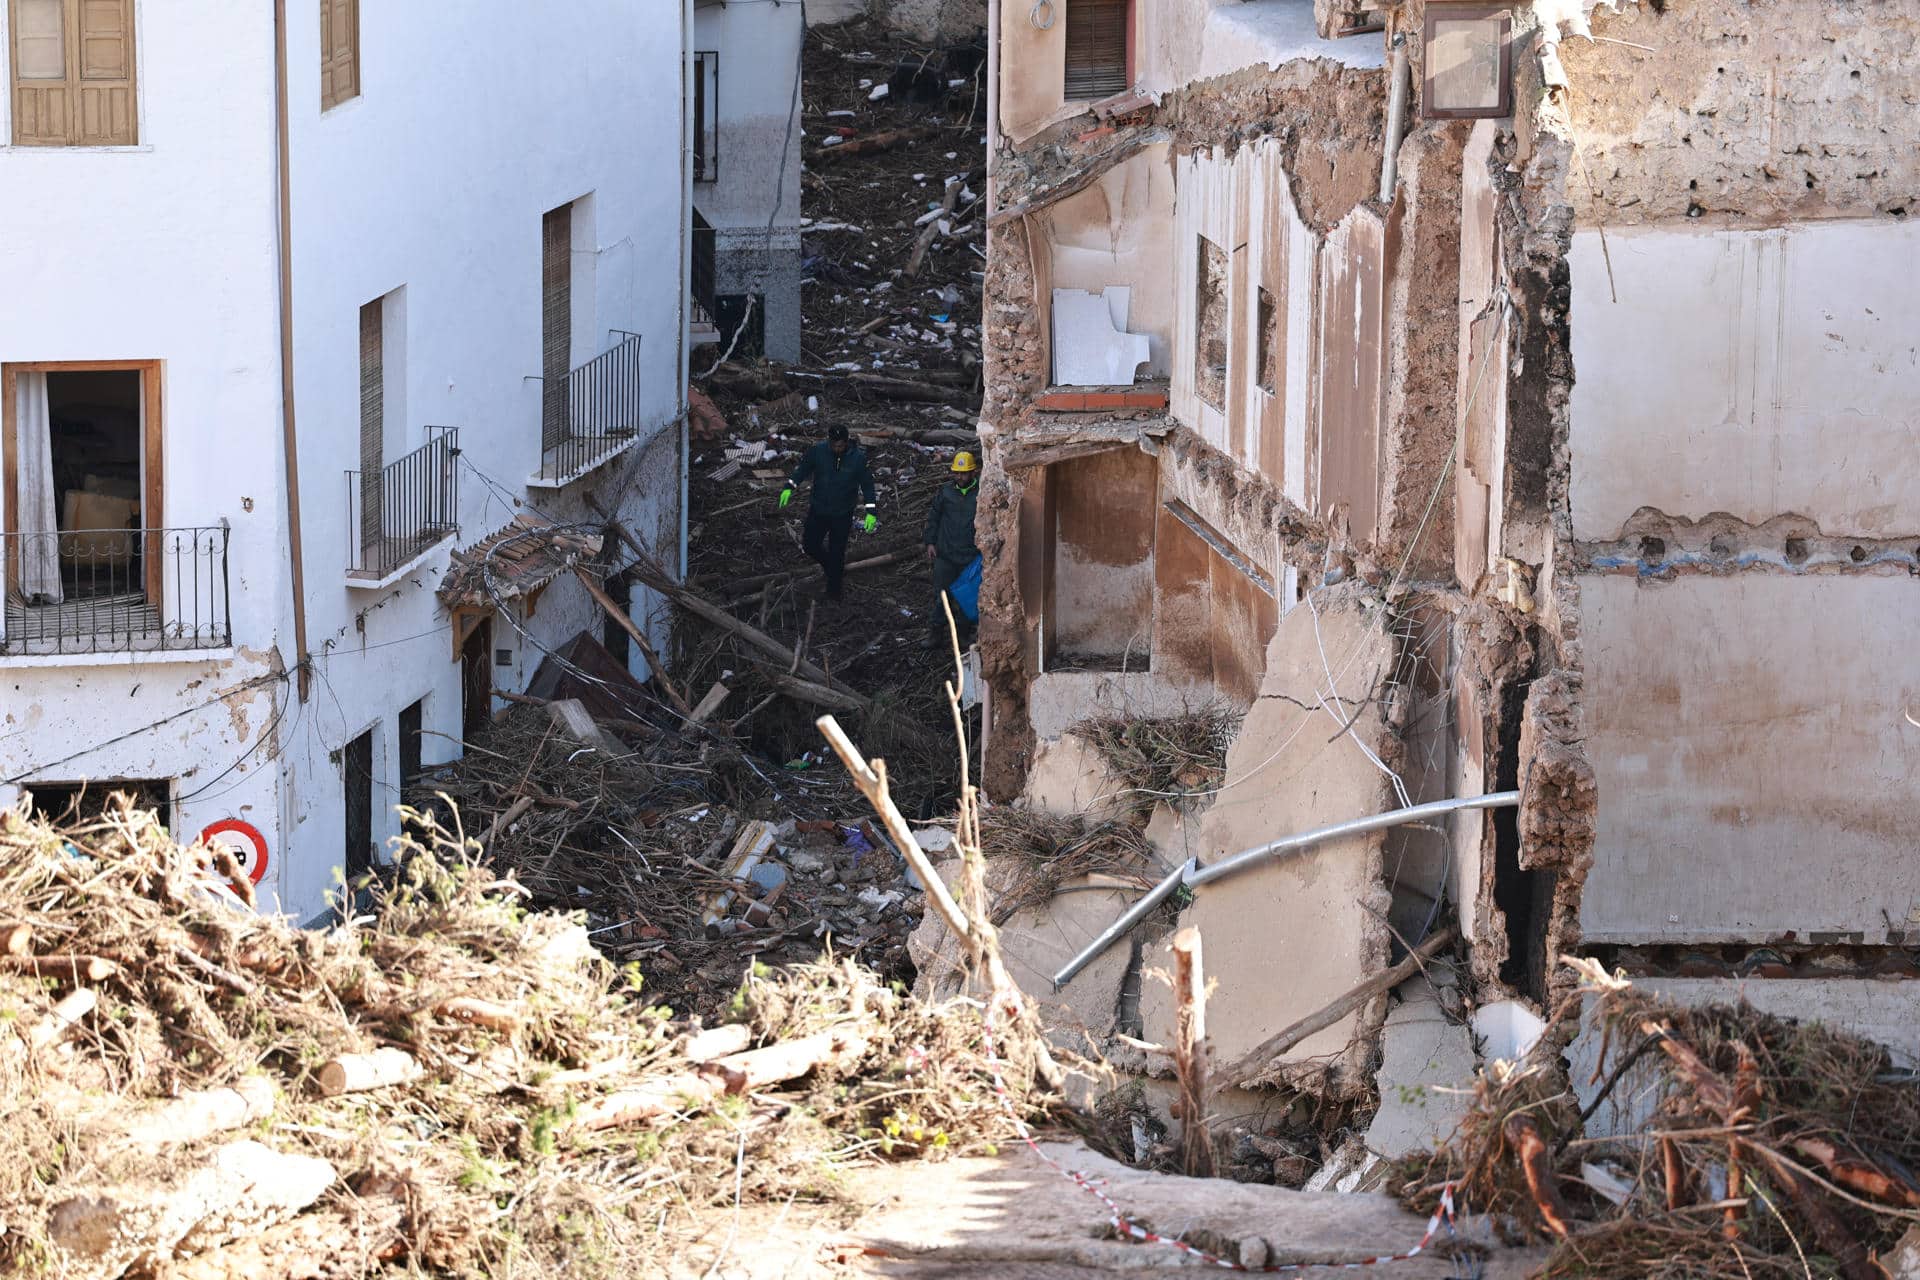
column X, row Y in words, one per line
column 1069, row 776
column 1284, row 939
column 1757, row 774
column 1058, row 700
column 1426, row 1075
column 1883, row 1010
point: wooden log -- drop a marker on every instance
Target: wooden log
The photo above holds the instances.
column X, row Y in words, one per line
column 65, row 968
column 908, row 390
column 480, row 1013
column 871, row 143
column 193, row 1116
column 759, row 639
column 628, row 625
column 62, row 1018
column 16, row 939
column 1190, row 1053
column 757, row 586
column 735, row 1073
column 360, row 1072
column 817, row 694
column 1251, row 1067
column 872, row 782
column 931, row 232
column 716, row 1042
column 505, row 819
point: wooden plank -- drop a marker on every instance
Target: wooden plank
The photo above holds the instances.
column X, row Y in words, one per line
column 628, row 625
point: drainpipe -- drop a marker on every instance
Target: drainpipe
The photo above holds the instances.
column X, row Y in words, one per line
column 680, row 355
column 290, row 441
column 1396, row 119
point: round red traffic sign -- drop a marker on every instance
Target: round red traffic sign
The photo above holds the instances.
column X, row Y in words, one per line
column 244, row 841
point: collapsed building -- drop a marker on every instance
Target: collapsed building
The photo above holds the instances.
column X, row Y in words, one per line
column 1480, row 399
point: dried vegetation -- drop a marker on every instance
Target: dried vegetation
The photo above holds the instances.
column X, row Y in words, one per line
column 450, row 1083
column 1771, row 1147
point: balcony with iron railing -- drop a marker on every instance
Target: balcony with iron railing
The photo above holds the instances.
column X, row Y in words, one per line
column 591, row 416
column 400, row 512
column 75, row 592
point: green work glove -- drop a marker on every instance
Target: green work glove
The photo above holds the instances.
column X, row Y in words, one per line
column 869, row 522
column 786, row 496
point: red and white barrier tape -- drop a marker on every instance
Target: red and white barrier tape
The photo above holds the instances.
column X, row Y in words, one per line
column 1442, row 1216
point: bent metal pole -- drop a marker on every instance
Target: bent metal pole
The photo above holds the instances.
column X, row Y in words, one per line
column 1193, row 874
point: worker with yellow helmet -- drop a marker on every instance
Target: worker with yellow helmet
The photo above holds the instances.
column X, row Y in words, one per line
column 949, row 538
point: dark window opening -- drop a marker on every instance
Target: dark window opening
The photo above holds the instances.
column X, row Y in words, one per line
column 1524, row 897
column 476, row 679
column 1267, row 358
column 94, row 437
column 412, row 722
column 706, row 112
column 85, row 801
column 1096, row 59
column 745, row 313
column 613, row 637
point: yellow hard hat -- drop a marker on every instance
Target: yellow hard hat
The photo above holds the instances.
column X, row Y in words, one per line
column 964, row 462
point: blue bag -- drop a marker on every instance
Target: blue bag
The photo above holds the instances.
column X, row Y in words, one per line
column 966, row 591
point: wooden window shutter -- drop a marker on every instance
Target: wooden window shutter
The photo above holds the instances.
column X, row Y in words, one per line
column 556, row 322
column 42, row 93
column 339, row 52
column 104, row 63
column 73, row 73
column 373, row 426
column 1097, row 48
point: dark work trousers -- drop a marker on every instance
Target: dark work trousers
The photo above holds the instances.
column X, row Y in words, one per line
column 944, row 573
column 825, row 538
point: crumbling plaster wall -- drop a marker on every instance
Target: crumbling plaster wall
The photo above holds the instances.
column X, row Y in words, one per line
column 1745, row 114
column 1116, row 232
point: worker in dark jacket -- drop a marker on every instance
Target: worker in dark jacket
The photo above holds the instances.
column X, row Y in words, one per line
column 837, row 467
column 949, row 538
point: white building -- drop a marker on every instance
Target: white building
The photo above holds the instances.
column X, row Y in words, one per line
column 254, row 256
column 746, row 171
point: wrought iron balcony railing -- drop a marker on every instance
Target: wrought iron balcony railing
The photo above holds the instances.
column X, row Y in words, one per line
column 593, row 414
column 78, row 591
column 403, row 509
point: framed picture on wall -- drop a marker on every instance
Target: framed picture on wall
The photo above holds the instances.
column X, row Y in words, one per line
column 1468, row 54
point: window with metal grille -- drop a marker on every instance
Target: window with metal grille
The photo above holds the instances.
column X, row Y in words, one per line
column 73, row 83
column 1097, row 48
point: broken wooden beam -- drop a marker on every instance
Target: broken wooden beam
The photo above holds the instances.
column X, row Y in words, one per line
column 628, row 625
column 1250, row 1068
column 933, row 229
column 1083, row 176
column 905, row 389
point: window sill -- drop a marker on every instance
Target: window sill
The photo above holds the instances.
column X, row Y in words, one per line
column 15, row 148
column 118, row 658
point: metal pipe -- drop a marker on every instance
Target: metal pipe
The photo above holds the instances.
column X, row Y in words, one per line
column 1356, row 827
column 1396, row 119
column 1193, row 875
column 1113, row 932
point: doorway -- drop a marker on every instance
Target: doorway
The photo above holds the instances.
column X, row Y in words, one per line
column 476, row 678
column 356, row 770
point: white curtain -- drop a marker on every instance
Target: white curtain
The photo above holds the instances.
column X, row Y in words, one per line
column 39, row 535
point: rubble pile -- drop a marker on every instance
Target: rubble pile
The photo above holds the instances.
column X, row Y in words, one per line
column 1766, row 1147
column 667, row 865
column 449, row 1083
column 891, row 300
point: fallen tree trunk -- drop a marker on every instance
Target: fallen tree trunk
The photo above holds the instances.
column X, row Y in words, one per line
column 196, row 1115
column 735, row 1073
column 1250, row 1068
column 757, row 586
column 64, row 968
column 818, row 694
column 628, row 625
column 903, row 389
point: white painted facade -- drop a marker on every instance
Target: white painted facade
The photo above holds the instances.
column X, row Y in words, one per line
column 750, row 192
column 431, row 182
